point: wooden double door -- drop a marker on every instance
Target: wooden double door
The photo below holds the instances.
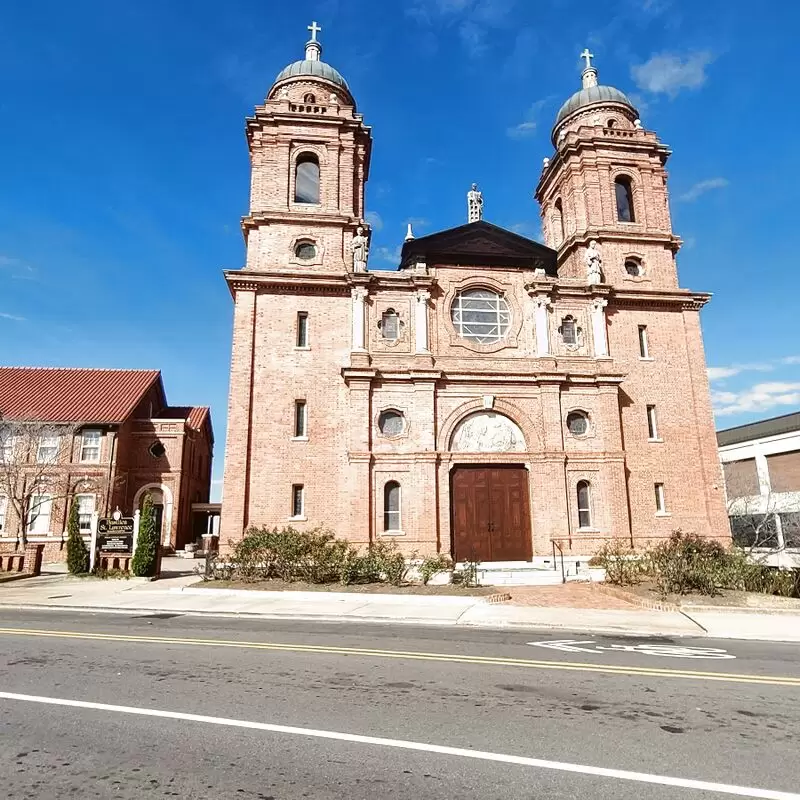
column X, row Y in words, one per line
column 490, row 514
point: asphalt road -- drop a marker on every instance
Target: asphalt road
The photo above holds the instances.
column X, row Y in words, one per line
column 115, row 706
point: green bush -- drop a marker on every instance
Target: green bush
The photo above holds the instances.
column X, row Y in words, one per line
column 687, row 563
column 623, row 567
column 314, row 556
column 145, row 559
column 431, row 565
column 77, row 552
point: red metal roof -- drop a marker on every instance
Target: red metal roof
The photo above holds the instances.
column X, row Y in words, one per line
column 194, row 416
column 58, row 394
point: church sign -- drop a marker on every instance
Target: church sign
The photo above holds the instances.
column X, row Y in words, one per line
column 115, row 535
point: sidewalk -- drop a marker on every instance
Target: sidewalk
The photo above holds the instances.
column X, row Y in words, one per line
column 177, row 595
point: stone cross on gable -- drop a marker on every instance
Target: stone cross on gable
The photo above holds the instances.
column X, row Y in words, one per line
column 588, row 56
column 315, row 29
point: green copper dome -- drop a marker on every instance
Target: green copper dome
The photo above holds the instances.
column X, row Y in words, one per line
column 316, row 69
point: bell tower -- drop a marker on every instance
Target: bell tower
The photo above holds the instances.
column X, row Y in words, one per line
column 309, row 156
column 607, row 183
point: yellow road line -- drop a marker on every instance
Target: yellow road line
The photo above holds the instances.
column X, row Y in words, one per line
column 770, row 680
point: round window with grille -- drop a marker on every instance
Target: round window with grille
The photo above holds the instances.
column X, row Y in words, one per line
column 481, row 315
column 305, row 251
column 391, row 423
column 577, row 423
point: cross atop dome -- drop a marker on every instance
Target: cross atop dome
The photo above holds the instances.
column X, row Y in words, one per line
column 589, row 74
column 313, row 47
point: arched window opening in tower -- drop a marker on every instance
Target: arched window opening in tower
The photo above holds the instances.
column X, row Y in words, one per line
column 309, row 98
column 622, row 189
column 306, row 179
column 559, row 221
column 633, row 267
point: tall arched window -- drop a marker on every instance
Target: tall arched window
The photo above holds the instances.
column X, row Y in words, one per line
column 306, row 179
column 624, row 194
column 584, row 505
column 558, row 221
column 391, row 506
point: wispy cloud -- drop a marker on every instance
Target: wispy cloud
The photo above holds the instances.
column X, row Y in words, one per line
column 391, row 255
column 529, row 123
column 375, row 221
column 720, row 373
column 473, row 19
column 13, row 317
column 791, row 360
column 418, row 222
column 17, row 269
column 761, row 397
column 669, row 73
column 701, row 187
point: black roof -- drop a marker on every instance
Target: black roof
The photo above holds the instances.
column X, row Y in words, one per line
column 758, row 430
column 480, row 244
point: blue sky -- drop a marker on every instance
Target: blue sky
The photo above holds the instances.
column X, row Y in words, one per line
column 125, row 168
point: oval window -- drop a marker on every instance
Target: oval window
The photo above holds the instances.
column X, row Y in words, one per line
column 305, row 251
column 481, row 315
column 633, row 268
column 391, row 423
column 577, row 423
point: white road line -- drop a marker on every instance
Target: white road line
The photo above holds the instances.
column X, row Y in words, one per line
column 619, row 774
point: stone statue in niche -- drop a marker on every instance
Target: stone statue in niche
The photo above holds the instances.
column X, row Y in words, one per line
column 360, row 249
column 488, row 433
column 594, row 262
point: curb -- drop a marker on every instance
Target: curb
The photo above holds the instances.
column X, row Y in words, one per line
column 634, row 599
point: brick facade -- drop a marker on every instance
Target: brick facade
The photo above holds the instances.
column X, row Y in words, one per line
column 437, row 378
column 127, row 467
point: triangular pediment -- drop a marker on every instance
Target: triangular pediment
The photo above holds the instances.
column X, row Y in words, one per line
column 480, row 244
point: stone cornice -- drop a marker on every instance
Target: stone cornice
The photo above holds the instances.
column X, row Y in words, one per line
column 279, row 281
column 636, row 233
column 653, row 298
column 258, row 219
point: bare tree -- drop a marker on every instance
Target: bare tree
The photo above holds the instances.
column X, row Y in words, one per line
column 32, row 457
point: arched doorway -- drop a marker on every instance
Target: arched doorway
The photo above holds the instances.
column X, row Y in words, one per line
column 489, row 501
column 162, row 506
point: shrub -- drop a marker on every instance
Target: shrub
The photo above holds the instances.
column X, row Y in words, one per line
column 431, row 565
column 687, row 562
column 145, row 559
column 623, row 567
column 77, row 552
column 467, row 575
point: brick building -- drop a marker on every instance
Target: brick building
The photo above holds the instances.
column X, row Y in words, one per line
column 492, row 393
column 104, row 438
column 761, row 462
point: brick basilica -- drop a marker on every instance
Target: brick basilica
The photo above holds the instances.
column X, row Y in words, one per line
column 490, row 395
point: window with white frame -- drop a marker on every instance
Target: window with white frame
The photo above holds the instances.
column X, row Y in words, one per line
column 644, row 347
column 652, row 424
column 584, row 493
column 3, row 507
column 39, row 511
column 86, row 506
column 300, row 419
column 661, row 501
column 391, row 506
column 90, row 446
column 298, row 501
column 302, row 329
column 47, row 452
column 6, row 445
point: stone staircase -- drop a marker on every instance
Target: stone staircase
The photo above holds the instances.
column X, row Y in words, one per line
column 538, row 572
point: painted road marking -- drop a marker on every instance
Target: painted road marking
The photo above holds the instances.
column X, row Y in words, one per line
column 666, row 650
column 402, row 744
column 615, row 669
